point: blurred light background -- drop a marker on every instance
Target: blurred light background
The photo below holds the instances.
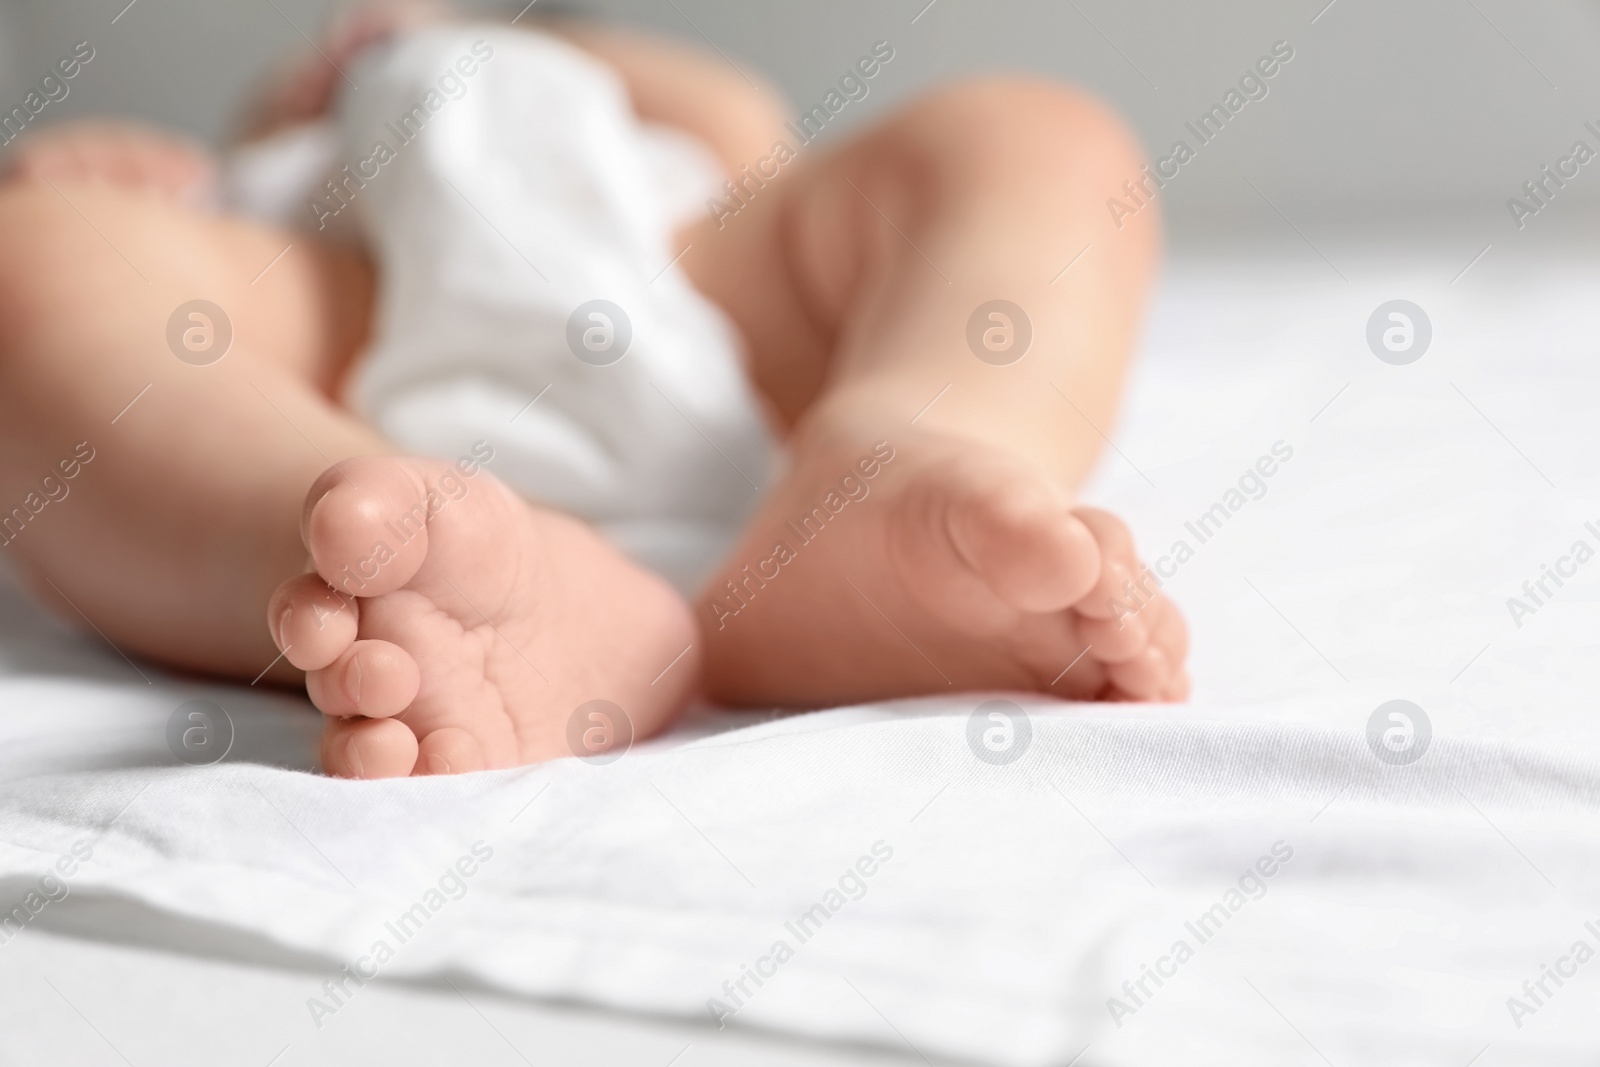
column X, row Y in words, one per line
column 1393, row 119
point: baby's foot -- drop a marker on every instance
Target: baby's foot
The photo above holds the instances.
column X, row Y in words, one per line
column 121, row 154
column 450, row 626
column 303, row 88
column 926, row 564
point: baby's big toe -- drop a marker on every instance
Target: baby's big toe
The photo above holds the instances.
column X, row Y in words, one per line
column 1019, row 536
column 365, row 524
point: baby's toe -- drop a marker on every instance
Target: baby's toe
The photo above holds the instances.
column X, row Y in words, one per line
column 449, row 750
column 372, row 678
column 1170, row 633
column 1144, row 677
column 1119, row 564
column 310, row 623
column 1080, row 677
column 1115, row 640
column 368, row 748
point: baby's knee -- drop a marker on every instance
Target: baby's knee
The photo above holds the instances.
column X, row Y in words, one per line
column 75, row 256
column 1000, row 128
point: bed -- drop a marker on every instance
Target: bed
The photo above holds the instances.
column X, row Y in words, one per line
column 1353, row 880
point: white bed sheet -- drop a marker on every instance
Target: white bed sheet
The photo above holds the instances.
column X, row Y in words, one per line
column 1020, row 898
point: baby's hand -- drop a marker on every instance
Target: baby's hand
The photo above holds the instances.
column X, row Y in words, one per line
column 124, row 155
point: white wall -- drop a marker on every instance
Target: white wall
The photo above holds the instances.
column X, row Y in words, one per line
column 1390, row 114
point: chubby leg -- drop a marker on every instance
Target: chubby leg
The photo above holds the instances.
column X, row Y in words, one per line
column 446, row 624
column 171, row 538
column 926, row 537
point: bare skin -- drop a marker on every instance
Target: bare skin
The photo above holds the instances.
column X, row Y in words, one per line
column 967, row 566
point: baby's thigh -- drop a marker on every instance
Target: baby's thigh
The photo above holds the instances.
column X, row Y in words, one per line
column 307, row 302
column 91, row 264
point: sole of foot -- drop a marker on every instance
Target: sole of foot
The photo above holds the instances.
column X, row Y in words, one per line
column 932, row 564
column 450, row 626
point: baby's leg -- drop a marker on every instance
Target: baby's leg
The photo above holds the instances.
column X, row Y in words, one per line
column 866, row 284
column 478, row 625
column 171, row 538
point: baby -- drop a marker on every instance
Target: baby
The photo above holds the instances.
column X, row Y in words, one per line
column 936, row 315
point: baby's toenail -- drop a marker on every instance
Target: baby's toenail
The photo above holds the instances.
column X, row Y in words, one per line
column 352, row 681
column 437, row 764
column 352, row 756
